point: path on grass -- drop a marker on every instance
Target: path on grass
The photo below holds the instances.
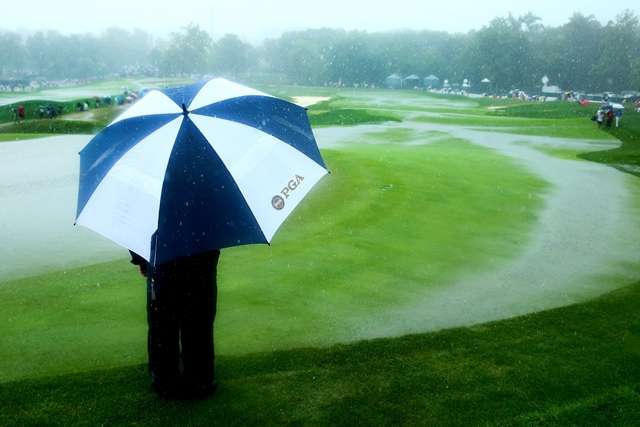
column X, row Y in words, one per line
column 585, row 242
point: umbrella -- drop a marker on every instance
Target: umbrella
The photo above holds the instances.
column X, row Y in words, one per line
column 191, row 169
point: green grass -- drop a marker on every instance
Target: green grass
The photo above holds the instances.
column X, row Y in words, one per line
column 67, row 124
column 390, row 222
column 52, row 126
column 7, row 137
column 627, row 156
column 348, row 117
column 573, row 120
column 31, row 108
column 559, row 153
column 333, row 113
column 578, row 365
column 547, row 110
column 559, row 127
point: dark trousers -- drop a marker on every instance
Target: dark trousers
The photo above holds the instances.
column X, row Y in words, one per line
column 181, row 308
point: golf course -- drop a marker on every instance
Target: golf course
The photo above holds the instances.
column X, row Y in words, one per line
column 466, row 262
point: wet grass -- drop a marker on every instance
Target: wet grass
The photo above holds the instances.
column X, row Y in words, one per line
column 577, row 365
column 627, row 156
column 9, row 137
column 390, row 222
column 560, row 153
column 349, row 117
column 400, row 219
column 64, row 124
column 559, row 127
column 330, row 113
column 31, row 108
column 52, row 127
column 546, row 110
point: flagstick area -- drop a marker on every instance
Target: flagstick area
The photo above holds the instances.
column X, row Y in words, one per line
column 446, row 217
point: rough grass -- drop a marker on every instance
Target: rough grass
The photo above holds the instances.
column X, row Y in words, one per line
column 627, row 156
column 52, row 126
column 347, row 117
column 547, row 110
column 331, row 113
column 561, row 124
column 8, row 137
column 569, row 118
column 577, row 365
column 31, row 108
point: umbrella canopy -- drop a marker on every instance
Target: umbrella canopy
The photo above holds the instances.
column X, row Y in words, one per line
column 196, row 168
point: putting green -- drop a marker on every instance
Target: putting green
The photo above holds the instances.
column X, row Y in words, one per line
column 391, row 221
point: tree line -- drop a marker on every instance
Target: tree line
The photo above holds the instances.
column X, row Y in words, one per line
column 513, row 52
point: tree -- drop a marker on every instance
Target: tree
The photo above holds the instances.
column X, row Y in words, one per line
column 579, row 46
column 616, row 67
column 302, row 56
column 232, row 56
column 502, row 52
column 121, row 49
column 12, row 55
column 189, row 51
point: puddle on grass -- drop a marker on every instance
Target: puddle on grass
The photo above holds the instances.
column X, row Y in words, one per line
column 38, row 189
column 584, row 244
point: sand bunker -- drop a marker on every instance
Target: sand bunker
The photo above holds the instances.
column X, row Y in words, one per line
column 307, row 101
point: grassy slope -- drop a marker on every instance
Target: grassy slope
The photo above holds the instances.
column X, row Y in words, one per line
column 330, row 113
column 31, row 108
column 578, row 365
column 628, row 154
column 8, row 137
column 322, row 114
column 389, row 221
column 51, row 126
column 558, row 119
column 569, row 118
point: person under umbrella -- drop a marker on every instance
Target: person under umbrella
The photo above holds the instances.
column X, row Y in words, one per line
column 182, row 174
column 181, row 309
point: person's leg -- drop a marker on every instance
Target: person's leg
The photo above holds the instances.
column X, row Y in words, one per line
column 198, row 314
column 163, row 338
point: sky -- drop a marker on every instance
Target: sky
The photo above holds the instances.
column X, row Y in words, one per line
column 256, row 20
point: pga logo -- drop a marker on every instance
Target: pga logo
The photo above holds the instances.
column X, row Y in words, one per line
column 278, row 201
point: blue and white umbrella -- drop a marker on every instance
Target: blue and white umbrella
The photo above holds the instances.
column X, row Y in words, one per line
column 201, row 167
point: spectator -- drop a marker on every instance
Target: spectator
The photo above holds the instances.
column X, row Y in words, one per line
column 618, row 114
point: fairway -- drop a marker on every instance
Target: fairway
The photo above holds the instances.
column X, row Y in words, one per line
column 441, row 217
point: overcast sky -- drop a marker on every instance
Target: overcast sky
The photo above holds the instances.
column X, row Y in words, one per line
column 255, row 20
